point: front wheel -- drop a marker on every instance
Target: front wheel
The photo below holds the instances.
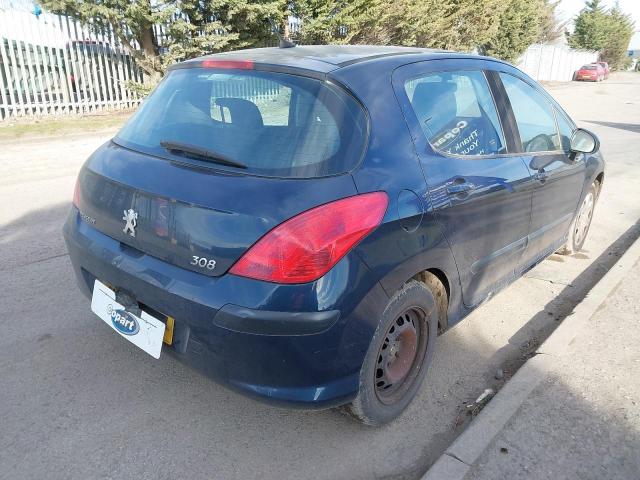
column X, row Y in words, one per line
column 398, row 356
column 581, row 223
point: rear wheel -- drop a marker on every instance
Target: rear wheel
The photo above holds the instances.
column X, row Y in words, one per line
column 581, row 223
column 398, row 356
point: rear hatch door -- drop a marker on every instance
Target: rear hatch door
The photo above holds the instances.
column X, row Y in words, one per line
column 200, row 219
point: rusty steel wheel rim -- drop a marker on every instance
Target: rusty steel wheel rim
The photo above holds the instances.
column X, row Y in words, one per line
column 401, row 355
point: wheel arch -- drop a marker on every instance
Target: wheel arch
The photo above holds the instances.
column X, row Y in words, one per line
column 599, row 180
column 437, row 281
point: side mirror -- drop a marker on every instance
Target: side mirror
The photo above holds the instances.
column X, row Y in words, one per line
column 583, row 141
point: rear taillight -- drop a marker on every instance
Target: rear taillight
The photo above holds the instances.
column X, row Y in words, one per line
column 307, row 246
column 76, row 194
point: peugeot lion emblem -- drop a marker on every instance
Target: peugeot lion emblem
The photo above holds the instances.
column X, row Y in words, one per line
column 131, row 217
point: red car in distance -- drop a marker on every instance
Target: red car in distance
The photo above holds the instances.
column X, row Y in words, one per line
column 592, row 72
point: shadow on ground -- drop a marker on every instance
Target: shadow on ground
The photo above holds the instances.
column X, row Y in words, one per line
column 33, row 237
column 582, row 421
column 558, row 433
column 631, row 127
column 563, row 304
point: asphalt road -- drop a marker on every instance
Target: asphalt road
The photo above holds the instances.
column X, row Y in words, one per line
column 79, row 402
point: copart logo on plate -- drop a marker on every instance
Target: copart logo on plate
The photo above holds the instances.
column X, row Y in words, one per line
column 123, row 321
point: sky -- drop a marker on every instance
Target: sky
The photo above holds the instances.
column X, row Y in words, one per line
column 568, row 9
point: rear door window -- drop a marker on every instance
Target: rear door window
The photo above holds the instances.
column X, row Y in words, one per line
column 275, row 124
column 534, row 116
column 456, row 113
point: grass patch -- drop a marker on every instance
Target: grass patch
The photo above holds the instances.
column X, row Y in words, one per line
column 56, row 126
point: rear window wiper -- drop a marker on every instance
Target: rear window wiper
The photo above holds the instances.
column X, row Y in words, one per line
column 200, row 153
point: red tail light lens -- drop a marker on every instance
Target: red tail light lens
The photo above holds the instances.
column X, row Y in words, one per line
column 307, row 246
column 76, row 194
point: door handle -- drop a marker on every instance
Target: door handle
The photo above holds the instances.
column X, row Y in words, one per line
column 541, row 176
column 457, row 188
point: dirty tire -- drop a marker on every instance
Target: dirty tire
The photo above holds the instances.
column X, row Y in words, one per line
column 581, row 223
column 412, row 312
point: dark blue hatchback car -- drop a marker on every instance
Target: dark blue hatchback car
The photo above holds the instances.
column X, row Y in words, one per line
column 300, row 224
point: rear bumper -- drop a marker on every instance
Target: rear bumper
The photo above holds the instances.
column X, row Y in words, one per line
column 265, row 322
column 299, row 345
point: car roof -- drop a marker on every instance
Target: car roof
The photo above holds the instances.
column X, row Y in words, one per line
column 319, row 58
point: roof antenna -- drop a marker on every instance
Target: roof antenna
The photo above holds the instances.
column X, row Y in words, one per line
column 282, row 42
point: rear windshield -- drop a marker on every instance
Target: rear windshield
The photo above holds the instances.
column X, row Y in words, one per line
column 271, row 123
column 589, row 67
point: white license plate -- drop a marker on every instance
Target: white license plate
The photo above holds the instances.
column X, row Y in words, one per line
column 144, row 331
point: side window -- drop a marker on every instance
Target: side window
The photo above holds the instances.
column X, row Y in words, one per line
column 457, row 113
column 566, row 128
column 534, row 116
